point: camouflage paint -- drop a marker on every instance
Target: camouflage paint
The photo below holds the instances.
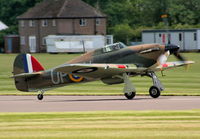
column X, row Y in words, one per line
column 139, row 56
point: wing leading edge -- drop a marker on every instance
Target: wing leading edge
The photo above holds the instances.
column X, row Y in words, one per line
column 170, row 65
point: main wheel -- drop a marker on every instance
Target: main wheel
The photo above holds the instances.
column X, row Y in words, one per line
column 154, row 92
column 40, row 96
column 130, row 95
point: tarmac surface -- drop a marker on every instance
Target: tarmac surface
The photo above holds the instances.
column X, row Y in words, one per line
column 96, row 103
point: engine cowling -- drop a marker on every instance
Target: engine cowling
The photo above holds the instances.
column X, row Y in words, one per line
column 111, row 81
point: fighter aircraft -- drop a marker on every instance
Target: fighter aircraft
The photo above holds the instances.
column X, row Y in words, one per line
column 112, row 64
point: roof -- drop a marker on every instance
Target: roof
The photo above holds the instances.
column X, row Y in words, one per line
column 49, row 9
column 171, row 30
column 2, row 26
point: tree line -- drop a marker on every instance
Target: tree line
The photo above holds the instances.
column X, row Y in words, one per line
column 126, row 18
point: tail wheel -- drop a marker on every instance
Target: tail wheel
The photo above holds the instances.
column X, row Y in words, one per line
column 154, row 92
column 130, row 95
column 40, row 96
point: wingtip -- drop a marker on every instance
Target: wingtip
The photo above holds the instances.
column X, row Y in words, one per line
column 189, row 62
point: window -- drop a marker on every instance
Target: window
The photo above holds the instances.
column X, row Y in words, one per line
column 180, row 37
column 53, row 22
column 31, row 23
column 195, row 36
column 44, row 23
column 44, row 41
column 22, row 40
column 169, row 38
column 83, row 22
column 22, row 24
column 98, row 21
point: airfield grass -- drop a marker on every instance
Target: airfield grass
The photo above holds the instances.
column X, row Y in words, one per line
column 101, row 125
column 177, row 81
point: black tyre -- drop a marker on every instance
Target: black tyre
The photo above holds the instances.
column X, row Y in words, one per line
column 130, row 95
column 154, row 92
column 40, row 96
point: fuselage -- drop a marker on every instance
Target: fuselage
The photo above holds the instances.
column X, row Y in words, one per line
column 141, row 56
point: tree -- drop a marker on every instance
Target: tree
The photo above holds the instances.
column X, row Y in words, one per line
column 130, row 15
column 185, row 12
column 123, row 33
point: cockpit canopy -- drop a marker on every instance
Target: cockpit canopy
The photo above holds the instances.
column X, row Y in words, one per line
column 113, row 47
column 109, row 48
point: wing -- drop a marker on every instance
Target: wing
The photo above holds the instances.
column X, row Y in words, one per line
column 169, row 65
column 96, row 71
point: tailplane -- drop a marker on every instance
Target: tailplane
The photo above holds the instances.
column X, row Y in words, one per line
column 25, row 64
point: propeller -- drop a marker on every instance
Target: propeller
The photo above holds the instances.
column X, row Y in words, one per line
column 179, row 56
column 174, row 49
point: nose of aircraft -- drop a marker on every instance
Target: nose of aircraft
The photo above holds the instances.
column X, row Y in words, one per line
column 172, row 48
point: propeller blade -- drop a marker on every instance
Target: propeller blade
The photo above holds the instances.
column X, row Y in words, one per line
column 179, row 56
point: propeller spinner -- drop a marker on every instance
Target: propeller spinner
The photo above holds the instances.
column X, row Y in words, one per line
column 174, row 49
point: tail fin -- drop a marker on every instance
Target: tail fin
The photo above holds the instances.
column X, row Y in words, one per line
column 25, row 63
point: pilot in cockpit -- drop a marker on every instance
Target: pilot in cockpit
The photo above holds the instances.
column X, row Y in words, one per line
column 116, row 47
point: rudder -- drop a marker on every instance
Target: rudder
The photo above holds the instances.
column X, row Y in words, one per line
column 25, row 63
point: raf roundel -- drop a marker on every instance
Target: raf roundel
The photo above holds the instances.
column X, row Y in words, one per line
column 75, row 78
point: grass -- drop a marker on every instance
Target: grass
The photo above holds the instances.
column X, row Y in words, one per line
column 177, row 82
column 101, row 125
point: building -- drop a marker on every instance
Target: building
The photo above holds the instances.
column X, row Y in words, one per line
column 187, row 39
column 58, row 17
column 76, row 43
column 11, row 44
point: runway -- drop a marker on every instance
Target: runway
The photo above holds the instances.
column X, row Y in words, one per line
column 96, row 103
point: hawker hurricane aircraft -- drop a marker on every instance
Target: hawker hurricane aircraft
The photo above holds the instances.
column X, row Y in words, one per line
column 112, row 64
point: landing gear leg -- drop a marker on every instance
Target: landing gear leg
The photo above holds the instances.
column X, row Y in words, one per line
column 129, row 89
column 157, row 87
column 40, row 96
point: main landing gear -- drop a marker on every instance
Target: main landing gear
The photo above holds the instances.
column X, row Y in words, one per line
column 40, row 96
column 157, row 87
column 129, row 88
column 154, row 91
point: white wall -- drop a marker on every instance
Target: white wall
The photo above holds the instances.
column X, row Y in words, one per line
column 190, row 43
column 198, row 39
column 74, row 43
column 175, row 39
column 148, row 38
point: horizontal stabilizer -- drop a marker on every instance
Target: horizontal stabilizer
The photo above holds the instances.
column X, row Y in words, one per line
column 27, row 74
